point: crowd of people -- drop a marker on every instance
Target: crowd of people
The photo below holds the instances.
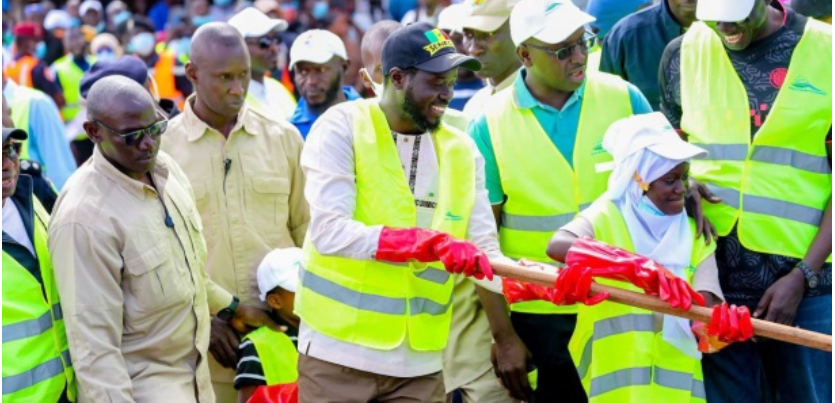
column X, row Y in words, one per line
column 281, row 201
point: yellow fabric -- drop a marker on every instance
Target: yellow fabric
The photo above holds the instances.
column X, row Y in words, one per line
column 69, row 76
column 779, row 182
column 619, row 355
column 33, row 328
column 543, row 191
column 135, row 297
column 376, row 304
column 20, row 70
column 281, row 103
column 278, row 355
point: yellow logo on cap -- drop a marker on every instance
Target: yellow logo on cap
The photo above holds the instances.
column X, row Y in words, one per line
column 437, row 40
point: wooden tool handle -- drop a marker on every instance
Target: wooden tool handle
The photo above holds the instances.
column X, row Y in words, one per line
column 763, row 328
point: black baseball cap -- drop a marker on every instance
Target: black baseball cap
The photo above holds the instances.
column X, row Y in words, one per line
column 128, row 66
column 424, row 47
column 16, row 134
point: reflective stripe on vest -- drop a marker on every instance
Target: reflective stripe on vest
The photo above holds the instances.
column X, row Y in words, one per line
column 619, row 355
column 543, row 191
column 279, row 356
column 377, row 304
column 776, row 181
column 36, row 361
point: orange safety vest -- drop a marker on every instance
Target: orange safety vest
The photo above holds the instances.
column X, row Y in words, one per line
column 21, row 70
column 164, row 77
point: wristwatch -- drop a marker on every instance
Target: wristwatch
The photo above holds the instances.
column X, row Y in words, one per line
column 812, row 276
column 226, row 314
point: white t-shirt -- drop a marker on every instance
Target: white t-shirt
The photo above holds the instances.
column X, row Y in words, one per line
column 13, row 226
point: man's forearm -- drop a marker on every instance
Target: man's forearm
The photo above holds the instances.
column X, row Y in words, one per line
column 497, row 311
column 821, row 246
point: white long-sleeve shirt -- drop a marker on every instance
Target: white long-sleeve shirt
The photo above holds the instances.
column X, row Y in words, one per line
column 328, row 162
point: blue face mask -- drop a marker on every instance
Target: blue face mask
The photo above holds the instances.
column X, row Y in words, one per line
column 320, row 10
column 123, row 16
column 199, row 20
column 8, row 38
column 223, row 3
column 143, row 43
column 105, row 55
column 646, row 205
column 183, row 47
column 40, row 50
column 100, row 27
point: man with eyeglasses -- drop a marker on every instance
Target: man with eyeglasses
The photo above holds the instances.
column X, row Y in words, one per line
column 127, row 244
column 752, row 84
column 319, row 60
column 244, row 168
column 541, row 141
column 262, row 36
column 487, row 38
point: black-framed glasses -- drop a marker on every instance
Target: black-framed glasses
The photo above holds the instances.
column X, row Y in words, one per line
column 585, row 43
column 12, row 150
column 134, row 137
column 266, row 41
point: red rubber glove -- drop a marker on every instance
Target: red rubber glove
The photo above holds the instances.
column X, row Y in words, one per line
column 611, row 262
column 572, row 286
column 283, row 393
column 728, row 324
column 426, row 245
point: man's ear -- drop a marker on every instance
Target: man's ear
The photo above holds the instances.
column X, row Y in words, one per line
column 398, row 78
column 524, row 55
column 191, row 72
column 92, row 130
column 273, row 300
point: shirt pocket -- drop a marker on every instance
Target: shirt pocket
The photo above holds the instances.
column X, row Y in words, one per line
column 267, row 206
column 153, row 280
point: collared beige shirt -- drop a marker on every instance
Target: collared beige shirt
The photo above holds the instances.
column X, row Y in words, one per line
column 249, row 190
column 135, row 297
column 475, row 106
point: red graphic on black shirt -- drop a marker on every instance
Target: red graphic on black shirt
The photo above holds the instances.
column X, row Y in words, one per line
column 758, row 116
column 777, row 77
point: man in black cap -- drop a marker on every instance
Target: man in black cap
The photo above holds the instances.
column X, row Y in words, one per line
column 397, row 203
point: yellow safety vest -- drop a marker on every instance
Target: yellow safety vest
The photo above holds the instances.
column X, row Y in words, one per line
column 36, row 359
column 69, row 76
column 776, row 186
column 20, row 107
column 277, row 94
column 543, row 191
column 619, row 356
column 377, row 304
column 279, row 356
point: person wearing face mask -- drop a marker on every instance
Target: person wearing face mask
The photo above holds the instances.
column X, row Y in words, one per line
column 263, row 36
column 27, row 68
column 222, row 10
column 92, row 14
column 200, row 12
column 164, row 67
column 541, row 143
column 319, row 61
column 751, row 82
column 105, row 47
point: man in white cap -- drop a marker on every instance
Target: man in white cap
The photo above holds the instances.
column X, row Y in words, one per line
column 92, row 14
column 244, row 168
column 319, row 61
column 468, row 82
column 541, row 141
column 752, row 84
column 487, row 38
column 262, row 36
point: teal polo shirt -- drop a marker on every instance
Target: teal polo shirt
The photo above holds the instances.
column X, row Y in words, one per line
column 560, row 125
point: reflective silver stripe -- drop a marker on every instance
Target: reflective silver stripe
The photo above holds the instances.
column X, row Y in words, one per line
column 434, row 275
column 40, row 373
column 792, row 158
column 32, row 327
column 67, row 358
column 547, row 223
column 619, row 379
column 725, row 152
column 370, row 302
column 679, row 380
column 782, row 209
column 729, row 196
column 610, row 327
column 584, row 206
column 585, row 359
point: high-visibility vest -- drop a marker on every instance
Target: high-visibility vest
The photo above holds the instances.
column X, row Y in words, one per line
column 36, row 359
column 776, row 186
column 376, row 304
column 543, row 191
column 279, row 356
column 20, row 70
column 163, row 74
column 619, row 356
column 280, row 102
column 20, row 107
column 69, row 76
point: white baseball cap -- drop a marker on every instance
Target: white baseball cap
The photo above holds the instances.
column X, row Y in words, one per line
column 252, row 23
column 450, row 18
column 57, row 19
column 724, row 10
column 316, row 46
column 550, row 21
column 280, row 268
column 88, row 5
column 487, row 15
column 650, row 131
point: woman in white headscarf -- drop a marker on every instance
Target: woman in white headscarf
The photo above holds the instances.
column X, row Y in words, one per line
column 626, row 354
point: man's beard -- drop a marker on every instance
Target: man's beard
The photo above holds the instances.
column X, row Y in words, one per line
column 333, row 92
column 413, row 112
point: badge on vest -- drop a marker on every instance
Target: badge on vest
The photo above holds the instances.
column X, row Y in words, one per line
column 451, row 217
column 803, row 85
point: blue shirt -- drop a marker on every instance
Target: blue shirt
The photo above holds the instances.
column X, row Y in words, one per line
column 463, row 91
column 559, row 125
column 303, row 118
column 633, row 48
column 159, row 15
column 609, row 12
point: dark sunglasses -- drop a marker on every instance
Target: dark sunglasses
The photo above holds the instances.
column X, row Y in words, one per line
column 134, row 137
column 266, row 42
column 585, row 43
column 12, row 150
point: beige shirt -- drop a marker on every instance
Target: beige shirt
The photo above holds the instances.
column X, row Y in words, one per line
column 135, row 298
column 249, row 190
column 475, row 106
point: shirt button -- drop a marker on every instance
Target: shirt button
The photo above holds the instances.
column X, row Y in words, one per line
column 405, row 139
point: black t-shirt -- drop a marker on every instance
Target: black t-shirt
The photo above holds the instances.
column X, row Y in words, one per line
column 744, row 274
column 250, row 372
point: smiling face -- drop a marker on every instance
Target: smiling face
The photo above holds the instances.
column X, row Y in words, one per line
column 667, row 193
column 739, row 35
column 11, row 170
column 425, row 95
column 551, row 72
